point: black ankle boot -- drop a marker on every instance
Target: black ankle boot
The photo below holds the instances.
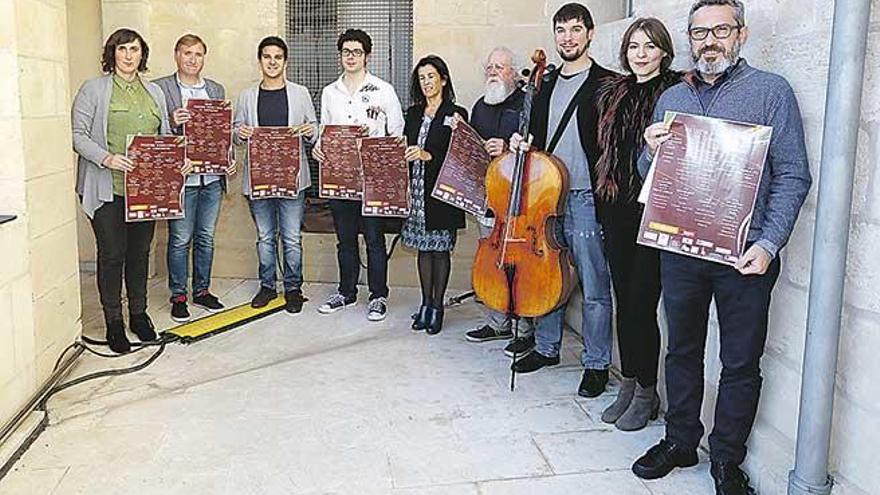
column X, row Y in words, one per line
column 143, row 327
column 435, row 321
column 421, row 321
column 116, row 338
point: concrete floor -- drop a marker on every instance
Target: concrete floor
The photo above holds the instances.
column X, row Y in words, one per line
column 312, row 404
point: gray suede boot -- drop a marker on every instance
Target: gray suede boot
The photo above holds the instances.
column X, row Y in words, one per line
column 645, row 405
column 613, row 412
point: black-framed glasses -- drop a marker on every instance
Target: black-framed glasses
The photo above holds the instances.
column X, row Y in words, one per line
column 357, row 52
column 720, row 32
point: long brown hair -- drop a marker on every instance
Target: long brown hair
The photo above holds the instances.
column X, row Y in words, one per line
column 656, row 32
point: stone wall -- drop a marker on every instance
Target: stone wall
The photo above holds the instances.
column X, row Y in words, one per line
column 798, row 46
column 39, row 280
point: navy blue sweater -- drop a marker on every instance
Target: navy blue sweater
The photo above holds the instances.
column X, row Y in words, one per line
column 750, row 95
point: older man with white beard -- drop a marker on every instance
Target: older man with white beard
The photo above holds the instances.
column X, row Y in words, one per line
column 724, row 86
column 496, row 117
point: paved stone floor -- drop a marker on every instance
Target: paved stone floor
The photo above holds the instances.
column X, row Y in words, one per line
column 312, row 404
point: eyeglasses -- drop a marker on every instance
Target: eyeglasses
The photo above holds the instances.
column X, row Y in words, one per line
column 720, row 32
column 357, row 52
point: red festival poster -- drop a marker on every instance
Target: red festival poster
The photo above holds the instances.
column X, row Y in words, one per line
column 702, row 188
column 209, row 135
column 386, row 177
column 462, row 179
column 154, row 189
column 274, row 155
column 340, row 172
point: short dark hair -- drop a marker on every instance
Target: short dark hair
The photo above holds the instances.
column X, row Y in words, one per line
column 120, row 37
column 272, row 41
column 418, row 97
column 574, row 11
column 739, row 10
column 656, row 32
column 355, row 35
column 188, row 40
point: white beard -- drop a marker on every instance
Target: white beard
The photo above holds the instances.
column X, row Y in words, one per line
column 496, row 92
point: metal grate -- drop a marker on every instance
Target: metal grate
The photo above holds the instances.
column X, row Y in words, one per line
column 314, row 25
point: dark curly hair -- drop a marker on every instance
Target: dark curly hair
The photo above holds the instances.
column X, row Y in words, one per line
column 355, row 35
column 121, row 37
column 418, row 97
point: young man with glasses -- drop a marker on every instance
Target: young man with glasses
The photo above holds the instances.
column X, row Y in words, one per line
column 359, row 98
column 724, row 86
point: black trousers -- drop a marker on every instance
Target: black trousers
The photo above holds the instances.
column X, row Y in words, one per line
column 635, row 274
column 123, row 250
column 348, row 223
column 689, row 284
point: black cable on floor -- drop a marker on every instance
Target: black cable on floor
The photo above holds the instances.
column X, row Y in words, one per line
column 160, row 348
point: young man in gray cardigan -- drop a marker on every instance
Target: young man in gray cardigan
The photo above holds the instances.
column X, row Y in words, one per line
column 203, row 193
column 275, row 101
column 724, row 86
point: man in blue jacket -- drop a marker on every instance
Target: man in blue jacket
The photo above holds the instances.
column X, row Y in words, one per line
column 724, row 86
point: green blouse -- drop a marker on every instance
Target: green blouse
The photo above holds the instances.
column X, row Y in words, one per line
column 132, row 111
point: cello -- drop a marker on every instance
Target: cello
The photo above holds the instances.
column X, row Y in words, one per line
column 521, row 269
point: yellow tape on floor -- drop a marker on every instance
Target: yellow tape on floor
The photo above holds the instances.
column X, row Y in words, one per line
column 225, row 320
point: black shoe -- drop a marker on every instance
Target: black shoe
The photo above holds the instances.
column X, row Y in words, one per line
column 663, row 458
column 533, row 362
column 263, row 297
column 520, row 346
column 116, row 338
column 377, row 309
column 143, row 327
column 421, row 320
column 179, row 312
column 293, row 301
column 593, row 383
column 435, row 321
column 208, row 301
column 730, row 480
column 336, row 302
column 487, row 333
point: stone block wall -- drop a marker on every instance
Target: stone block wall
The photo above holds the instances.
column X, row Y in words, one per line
column 39, row 280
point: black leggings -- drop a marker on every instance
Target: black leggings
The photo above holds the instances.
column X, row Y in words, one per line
column 434, row 268
column 635, row 273
column 123, row 254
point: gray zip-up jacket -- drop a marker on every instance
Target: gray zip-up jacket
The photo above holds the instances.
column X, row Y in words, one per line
column 88, row 120
column 300, row 111
column 758, row 97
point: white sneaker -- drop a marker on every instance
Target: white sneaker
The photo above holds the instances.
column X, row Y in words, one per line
column 334, row 303
column 376, row 309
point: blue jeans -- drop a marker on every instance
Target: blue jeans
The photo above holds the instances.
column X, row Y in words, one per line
column 202, row 207
column 273, row 216
column 583, row 235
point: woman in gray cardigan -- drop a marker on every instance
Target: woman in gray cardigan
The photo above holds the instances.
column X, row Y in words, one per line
column 105, row 111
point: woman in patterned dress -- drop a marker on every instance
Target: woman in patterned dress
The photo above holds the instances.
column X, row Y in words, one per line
column 432, row 224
